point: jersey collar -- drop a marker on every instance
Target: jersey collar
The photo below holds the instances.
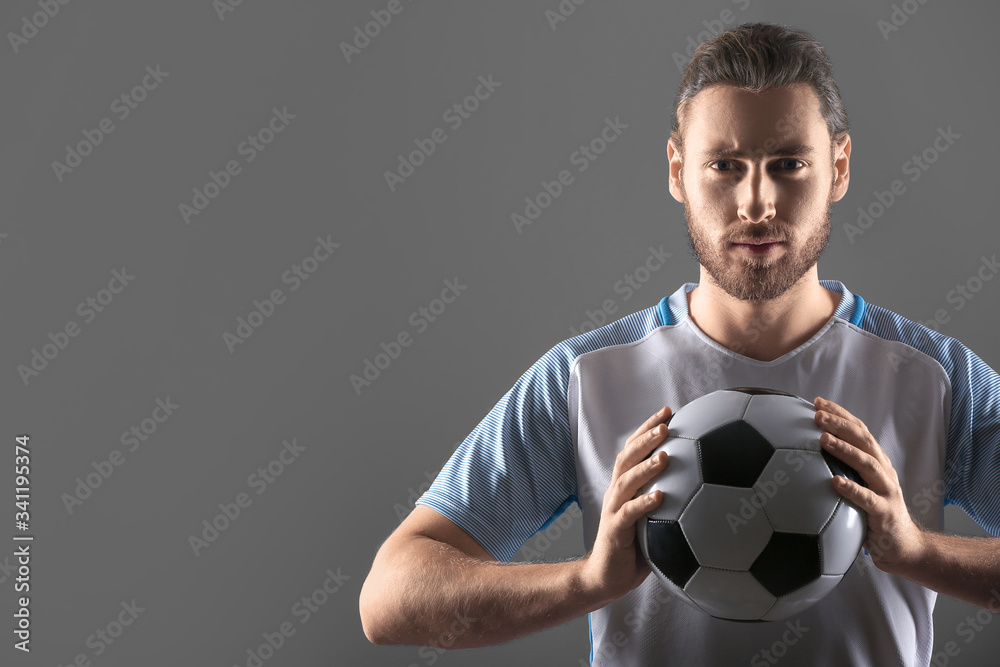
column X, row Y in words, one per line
column 674, row 308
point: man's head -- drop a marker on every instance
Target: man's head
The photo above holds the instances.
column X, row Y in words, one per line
column 759, row 150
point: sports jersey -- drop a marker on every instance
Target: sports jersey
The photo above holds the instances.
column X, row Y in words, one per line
column 552, row 439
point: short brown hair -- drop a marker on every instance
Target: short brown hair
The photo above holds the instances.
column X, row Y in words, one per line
column 758, row 57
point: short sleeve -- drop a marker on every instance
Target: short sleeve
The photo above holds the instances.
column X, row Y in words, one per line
column 972, row 466
column 517, row 469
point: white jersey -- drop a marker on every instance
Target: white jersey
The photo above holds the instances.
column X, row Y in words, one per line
column 551, row 440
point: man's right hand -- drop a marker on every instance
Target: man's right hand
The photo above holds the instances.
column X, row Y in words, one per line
column 616, row 565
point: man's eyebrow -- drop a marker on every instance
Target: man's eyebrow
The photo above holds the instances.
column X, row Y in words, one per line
column 726, row 153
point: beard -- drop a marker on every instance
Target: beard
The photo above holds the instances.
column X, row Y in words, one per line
column 758, row 278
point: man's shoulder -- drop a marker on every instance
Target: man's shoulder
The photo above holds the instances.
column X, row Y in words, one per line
column 914, row 340
column 626, row 330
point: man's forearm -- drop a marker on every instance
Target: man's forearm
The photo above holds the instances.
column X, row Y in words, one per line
column 432, row 594
column 966, row 568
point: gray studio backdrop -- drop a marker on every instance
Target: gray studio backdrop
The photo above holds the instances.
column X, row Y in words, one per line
column 200, row 246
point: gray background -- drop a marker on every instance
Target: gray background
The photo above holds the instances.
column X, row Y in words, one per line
column 367, row 454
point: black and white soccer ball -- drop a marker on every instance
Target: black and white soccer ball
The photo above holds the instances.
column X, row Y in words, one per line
column 750, row 528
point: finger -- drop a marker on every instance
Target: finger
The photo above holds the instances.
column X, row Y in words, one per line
column 836, row 416
column 826, row 404
column 638, row 449
column 631, row 480
column 864, row 498
column 852, row 430
column 865, row 464
column 633, row 509
column 658, row 417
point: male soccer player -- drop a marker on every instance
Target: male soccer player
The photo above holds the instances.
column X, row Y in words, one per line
column 759, row 151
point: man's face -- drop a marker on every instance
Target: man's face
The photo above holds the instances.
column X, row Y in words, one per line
column 757, row 167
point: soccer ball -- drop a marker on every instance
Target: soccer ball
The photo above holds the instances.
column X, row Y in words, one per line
column 749, row 528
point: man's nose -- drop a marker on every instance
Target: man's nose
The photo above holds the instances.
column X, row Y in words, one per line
column 757, row 193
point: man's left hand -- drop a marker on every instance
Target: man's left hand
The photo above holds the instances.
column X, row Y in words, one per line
column 894, row 540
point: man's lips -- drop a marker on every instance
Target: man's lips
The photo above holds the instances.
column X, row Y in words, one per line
column 759, row 247
column 758, row 242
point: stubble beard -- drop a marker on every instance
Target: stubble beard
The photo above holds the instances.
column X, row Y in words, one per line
column 757, row 278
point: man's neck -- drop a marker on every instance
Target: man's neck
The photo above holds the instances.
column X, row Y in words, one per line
column 767, row 330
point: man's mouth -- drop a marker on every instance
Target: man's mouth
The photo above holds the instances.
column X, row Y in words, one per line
column 759, row 247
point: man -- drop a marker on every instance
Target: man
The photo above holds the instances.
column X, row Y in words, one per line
column 758, row 153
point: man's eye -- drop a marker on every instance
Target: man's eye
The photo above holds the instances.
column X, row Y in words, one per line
column 791, row 164
column 788, row 160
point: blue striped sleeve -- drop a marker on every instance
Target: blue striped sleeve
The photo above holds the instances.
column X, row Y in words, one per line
column 972, row 468
column 972, row 452
column 517, row 468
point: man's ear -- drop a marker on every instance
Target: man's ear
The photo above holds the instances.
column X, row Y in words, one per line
column 841, row 167
column 674, row 158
